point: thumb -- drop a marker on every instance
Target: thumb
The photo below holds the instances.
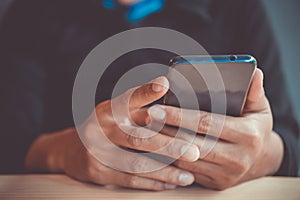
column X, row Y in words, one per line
column 148, row 93
column 256, row 100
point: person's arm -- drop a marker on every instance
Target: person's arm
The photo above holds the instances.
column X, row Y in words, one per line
column 256, row 37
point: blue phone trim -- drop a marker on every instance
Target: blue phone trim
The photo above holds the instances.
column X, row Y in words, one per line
column 212, row 59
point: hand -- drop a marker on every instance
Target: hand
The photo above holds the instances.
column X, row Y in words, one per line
column 102, row 163
column 122, row 118
column 78, row 163
column 247, row 148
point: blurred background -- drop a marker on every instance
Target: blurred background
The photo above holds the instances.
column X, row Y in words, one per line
column 285, row 19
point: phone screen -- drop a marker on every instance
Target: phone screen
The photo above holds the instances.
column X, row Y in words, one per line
column 214, row 78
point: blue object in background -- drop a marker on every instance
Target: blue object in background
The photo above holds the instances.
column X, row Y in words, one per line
column 109, row 4
column 136, row 11
column 144, row 8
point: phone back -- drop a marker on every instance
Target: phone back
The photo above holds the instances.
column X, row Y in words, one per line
column 219, row 83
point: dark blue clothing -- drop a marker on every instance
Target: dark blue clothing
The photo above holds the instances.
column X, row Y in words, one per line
column 43, row 43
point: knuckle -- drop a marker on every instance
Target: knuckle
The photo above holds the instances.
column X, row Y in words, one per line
column 252, row 135
column 195, row 168
column 134, row 137
column 204, row 122
column 173, row 149
column 176, row 116
column 171, row 176
column 135, row 131
column 255, row 140
column 213, row 155
column 138, row 164
column 156, row 185
column 170, row 148
column 133, row 181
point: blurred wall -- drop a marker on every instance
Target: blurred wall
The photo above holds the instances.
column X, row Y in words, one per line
column 3, row 6
column 285, row 18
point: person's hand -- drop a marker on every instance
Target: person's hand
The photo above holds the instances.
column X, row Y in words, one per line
column 119, row 120
column 247, row 148
column 79, row 164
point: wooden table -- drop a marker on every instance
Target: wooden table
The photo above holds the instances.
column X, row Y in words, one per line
column 61, row 187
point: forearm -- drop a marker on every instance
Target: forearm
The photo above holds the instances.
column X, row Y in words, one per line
column 273, row 154
column 46, row 153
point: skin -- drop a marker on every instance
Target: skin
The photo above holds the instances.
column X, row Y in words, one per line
column 128, row 2
column 63, row 151
column 247, row 148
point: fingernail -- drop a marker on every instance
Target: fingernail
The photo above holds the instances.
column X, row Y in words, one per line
column 190, row 152
column 157, row 113
column 169, row 186
column 186, row 178
column 159, row 84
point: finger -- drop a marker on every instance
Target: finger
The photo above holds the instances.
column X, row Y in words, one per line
column 179, row 133
column 140, row 117
column 148, row 93
column 218, row 126
column 256, row 100
column 144, row 166
column 200, row 167
column 147, row 167
column 171, row 175
column 144, row 139
column 211, row 151
column 205, row 181
column 107, row 176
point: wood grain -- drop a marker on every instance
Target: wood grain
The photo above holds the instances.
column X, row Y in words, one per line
column 61, row 187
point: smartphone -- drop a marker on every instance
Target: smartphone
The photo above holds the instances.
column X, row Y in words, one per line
column 216, row 81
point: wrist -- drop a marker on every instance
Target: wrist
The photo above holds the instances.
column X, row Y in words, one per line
column 276, row 152
column 59, row 153
column 269, row 161
column 47, row 153
column 271, row 157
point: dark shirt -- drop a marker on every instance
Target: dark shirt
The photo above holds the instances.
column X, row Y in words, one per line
column 43, row 43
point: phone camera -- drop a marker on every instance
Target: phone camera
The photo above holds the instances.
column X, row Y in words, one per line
column 232, row 58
